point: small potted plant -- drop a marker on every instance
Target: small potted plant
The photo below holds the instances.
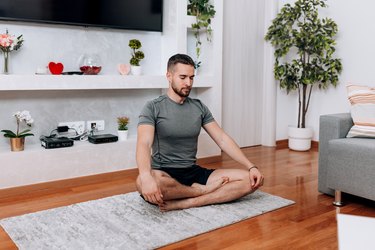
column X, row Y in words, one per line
column 203, row 11
column 122, row 128
column 137, row 56
column 17, row 139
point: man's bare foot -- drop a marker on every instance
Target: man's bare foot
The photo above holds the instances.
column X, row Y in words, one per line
column 209, row 188
column 175, row 205
column 188, row 203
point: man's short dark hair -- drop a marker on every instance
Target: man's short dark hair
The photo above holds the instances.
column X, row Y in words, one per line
column 179, row 58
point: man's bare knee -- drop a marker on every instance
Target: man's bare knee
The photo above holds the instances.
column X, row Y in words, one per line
column 165, row 181
column 246, row 187
column 243, row 184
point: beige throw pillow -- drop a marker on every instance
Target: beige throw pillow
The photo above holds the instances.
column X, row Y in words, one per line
column 362, row 100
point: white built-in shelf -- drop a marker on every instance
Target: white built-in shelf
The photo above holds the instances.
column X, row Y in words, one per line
column 78, row 146
column 76, row 82
column 37, row 165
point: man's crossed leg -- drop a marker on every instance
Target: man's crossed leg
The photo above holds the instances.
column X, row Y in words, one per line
column 222, row 185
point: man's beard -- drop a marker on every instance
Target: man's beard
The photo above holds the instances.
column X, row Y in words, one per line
column 183, row 92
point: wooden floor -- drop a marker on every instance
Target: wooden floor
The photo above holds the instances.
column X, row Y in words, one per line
column 309, row 224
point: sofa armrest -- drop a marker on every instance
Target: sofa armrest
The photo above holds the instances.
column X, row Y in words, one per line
column 332, row 126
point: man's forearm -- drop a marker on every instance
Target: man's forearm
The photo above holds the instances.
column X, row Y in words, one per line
column 143, row 159
column 230, row 147
column 144, row 143
column 227, row 144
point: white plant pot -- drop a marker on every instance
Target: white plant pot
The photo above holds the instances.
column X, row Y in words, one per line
column 136, row 70
column 299, row 138
column 122, row 135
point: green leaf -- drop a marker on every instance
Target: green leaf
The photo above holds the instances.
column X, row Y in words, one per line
column 24, row 135
column 8, row 133
column 204, row 12
column 23, row 132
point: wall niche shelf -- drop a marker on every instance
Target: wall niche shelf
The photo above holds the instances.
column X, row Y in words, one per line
column 77, row 82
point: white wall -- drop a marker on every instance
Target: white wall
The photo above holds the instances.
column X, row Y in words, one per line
column 355, row 46
column 60, row 43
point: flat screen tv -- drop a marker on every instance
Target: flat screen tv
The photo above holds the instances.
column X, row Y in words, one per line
column 123, row 14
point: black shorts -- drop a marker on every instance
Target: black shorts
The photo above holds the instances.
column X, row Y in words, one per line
column 188, row 176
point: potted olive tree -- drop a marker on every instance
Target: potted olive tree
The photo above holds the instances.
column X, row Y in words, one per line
column 304, row 48
column 136, row 56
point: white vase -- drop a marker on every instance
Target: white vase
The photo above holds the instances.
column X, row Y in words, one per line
column 122, row 135
column 136, row 70
column 299, row 138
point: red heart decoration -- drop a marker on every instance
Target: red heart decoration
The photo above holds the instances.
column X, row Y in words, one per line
column 56, row 68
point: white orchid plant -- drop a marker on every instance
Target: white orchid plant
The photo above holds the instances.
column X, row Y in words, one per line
column 21, row 117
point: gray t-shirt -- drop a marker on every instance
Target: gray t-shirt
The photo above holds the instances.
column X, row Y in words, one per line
column 177, row 127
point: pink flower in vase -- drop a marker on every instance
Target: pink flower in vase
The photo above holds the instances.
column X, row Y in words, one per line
column 10, row 42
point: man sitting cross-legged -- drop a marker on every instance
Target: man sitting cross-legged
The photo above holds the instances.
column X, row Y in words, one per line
column 168, row 131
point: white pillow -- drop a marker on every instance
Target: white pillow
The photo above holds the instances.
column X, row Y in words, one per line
column 362, row 100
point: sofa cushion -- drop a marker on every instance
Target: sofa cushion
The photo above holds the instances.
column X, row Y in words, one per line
column 362, row 100
column 351, row 166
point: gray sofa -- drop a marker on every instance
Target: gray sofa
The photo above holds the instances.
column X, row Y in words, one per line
column 345, row 164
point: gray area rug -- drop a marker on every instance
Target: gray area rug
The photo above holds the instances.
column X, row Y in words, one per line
column 127, row 222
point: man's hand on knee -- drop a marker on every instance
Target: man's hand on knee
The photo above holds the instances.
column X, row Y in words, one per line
column 150, row 189
column 256, row 178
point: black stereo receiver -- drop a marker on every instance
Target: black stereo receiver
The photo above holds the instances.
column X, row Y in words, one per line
column 56, row 142
column 104, row 138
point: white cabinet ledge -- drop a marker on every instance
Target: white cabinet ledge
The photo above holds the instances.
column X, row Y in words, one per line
column 75, row 82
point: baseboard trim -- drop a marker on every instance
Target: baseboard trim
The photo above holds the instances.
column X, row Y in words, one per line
column 55, row 186
column 283, row 144
column 208, row 160
column 315, row 145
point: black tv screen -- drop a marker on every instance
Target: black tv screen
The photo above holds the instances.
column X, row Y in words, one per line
column 123, row 14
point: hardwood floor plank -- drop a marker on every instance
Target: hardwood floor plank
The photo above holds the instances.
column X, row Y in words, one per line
column 308, row 224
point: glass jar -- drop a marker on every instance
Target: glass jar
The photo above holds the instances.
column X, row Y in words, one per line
column 90, row 64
